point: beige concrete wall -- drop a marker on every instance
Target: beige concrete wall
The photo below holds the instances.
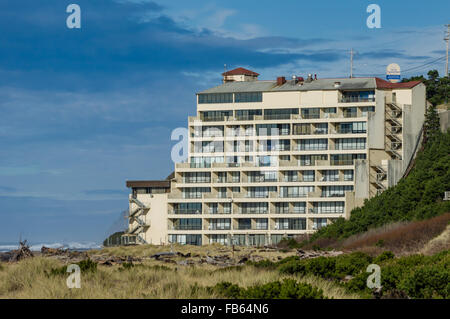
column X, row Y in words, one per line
column 156, row 216
column 444, row 118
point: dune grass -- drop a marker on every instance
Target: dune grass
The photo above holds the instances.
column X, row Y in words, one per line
column 30, row 278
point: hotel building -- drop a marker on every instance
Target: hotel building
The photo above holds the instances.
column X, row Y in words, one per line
column 279, row 158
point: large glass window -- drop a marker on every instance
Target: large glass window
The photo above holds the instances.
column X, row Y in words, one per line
column 352, row 128
column 245, row 115
column 346, row 159
column 187, row 224
column 302, row 129
column 272, row 129
column 290, row 223
column 209, row 116
column 335, row 191
column 215, row 98
column 350, row 143
column 254, row 208
column 311, row 113
column 257, row 240
column 295, row 191
column 313, row 144
column 195, row 192
column 197, row 177
column 187, row 208
column 244, row 223
column 219, row 239
column 248, row 97
column 261, row 223
column 328, row 207
column 279, row 114
column 220, row 224
column 260, row 192
column 189, row 239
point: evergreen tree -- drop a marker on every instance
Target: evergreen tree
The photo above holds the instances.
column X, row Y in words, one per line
column 432, row 125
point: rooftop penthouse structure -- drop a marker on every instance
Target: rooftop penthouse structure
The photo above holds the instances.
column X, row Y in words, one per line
column 279, row 158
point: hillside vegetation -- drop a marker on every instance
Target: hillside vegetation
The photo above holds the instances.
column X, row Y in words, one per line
column 419, row 196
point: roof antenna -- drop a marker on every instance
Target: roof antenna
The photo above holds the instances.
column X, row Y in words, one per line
column 225, row 68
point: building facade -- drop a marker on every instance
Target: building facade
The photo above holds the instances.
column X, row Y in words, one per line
column 274, row 159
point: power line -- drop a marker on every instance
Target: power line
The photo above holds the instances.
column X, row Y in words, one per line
column 415, row 68
column 446, row 39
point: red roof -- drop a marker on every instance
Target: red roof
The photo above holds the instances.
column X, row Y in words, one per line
column 240, row 71
column 382, row 84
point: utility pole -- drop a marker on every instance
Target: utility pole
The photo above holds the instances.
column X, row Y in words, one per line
column 446, row 39
column 351, row 62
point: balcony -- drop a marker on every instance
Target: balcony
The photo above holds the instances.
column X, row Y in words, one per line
column 356, row 99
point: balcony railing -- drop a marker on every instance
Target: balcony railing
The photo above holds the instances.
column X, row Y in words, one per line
column 356, row 99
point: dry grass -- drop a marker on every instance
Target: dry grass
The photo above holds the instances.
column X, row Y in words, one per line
column 28, row 278
column 402, row 238
column 440, row 243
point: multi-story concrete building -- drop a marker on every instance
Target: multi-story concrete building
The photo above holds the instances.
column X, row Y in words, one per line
column 273, row 159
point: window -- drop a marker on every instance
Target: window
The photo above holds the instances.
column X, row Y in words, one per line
column 365, row 110
column 311, row 113
column 313, row 144
column 187, row 224
column 215, row 115
column 321, row 128
column 272, row 129
column 348, row 175
column 260, row 192
column 194, row 192
column 330, row 176
column 308, row 176
column 227, row 208
column 239, row 240
column 189, row 239
column 257, row 240
column 254, row 208
column 295, row 191
column 245, row 115
column 262, row 176
column 290, row 176
column 261, row 223
column 302, row 129
column 328, row 207
column 213, row 208
column 212, row 131
column 219, row 239
column 244, row 223
column 335, row 191
column 282, row 208
column 220, row 224
column 215, row 98
column 248, row 97
column 187, row 208
column 346, row 159
column 197, row 177
column 352, row 128
column 279, row 114
column 299, row 207
column 350, row 143
column 205, row 161
column 290, row 223
column 307, row 160
column 318, row 223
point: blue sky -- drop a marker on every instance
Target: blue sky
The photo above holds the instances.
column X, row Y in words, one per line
column 83, row 110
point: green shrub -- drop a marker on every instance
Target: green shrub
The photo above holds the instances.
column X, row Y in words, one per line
column 321, row 266
column 86, row 265
column 428, row 282
column 386, row 255
column 286, row 289
column 292, row 267
column 351, row 264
